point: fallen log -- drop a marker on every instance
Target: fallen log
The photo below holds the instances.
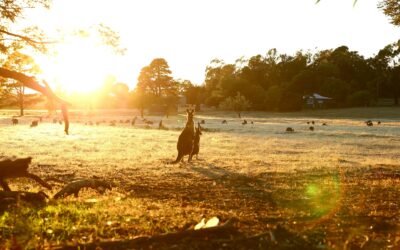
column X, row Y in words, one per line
column 8, row 198
column 75, row 186
column 15, row 169
column 225, row 231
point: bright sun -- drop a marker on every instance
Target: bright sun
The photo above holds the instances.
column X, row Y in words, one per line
column 79, row 65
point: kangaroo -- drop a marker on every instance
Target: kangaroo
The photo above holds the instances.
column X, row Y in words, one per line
column 34, row 124
column 185, row 140
column 196, row 142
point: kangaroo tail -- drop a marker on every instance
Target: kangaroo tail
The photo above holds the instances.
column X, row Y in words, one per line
column 178, row 159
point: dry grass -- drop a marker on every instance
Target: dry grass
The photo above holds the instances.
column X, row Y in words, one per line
column 337, row 187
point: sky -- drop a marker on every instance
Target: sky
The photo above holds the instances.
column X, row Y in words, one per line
column 190, row 33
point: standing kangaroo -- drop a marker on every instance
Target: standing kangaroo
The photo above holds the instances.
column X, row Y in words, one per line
column 185, row 140
column 196, row 142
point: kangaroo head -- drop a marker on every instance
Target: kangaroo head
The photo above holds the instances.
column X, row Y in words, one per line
column 190, row 114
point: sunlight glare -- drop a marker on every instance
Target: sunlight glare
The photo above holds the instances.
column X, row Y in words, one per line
column 80, row 65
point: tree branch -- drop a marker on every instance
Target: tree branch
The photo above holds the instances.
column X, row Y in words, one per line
column 32, row 83
column 25, row 38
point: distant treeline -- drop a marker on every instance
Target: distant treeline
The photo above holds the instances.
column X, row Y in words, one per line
column 278, row 82
column 271, row 82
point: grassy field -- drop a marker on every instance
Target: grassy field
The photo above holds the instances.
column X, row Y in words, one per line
column 337, row 187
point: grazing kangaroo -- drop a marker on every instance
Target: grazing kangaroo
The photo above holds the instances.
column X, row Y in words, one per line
column 14, row 121
column 196, row 142
column 34, row 124
column 185, row 140
column 289, row 129
column 15, row 169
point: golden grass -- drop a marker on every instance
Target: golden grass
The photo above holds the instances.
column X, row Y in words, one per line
column 332, row 186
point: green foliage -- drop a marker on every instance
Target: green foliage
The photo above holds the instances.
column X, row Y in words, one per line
column 13, row 92
column 156, row 86
column 237, row 103
column 359, row 98
column 391, row 8
column 273, row 97
column 279, row 81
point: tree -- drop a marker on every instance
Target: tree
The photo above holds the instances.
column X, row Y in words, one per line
column 391, row 8
column 120, row 92
column 386, row 64
column 155, row 83
column 11, row 11
column 194, row 94
column 238, row 104
column 14, row 90
column 156, row 78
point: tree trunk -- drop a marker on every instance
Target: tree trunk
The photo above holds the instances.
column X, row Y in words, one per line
column 32, row 83
column 21, row 101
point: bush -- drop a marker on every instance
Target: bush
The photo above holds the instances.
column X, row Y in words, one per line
column 359, row 98
column 290, row 102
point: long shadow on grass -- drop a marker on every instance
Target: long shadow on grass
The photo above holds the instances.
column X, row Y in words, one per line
column 243, row 185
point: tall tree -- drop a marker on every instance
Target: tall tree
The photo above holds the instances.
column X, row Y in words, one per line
column 156, row 86
column 156, row 78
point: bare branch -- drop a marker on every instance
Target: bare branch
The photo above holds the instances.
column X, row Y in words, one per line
column 32, row 83
column 25, row 38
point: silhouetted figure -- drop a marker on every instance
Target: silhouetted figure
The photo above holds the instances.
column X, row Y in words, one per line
column 252, row 122
column 14, row 121
column 311, row 128
column 203, row 122
column 224, row 122
column 289, row 129
column 185, row 140
column 324, row 124
column 196, row 143
column 160, row 125
column 312, row 122
column 244, row 122
column 133, row 121
column 369, row 123
column 34, row 124
column 379, row 122
column 308, row 122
